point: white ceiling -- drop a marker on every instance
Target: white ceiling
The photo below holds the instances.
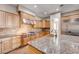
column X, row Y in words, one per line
column 69, row 7
column 49, row 8
column 42, row 10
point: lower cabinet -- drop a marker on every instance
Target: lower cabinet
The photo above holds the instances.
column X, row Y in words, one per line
column 6, row 45
column 25, row 40
column 33, row 37
column 9, row 44
column 16, row 42
column 0, row 48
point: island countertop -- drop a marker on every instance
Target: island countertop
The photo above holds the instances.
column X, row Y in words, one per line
column 68, row 44
column 43, row 44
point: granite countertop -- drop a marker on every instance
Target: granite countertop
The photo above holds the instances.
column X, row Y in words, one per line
column 43, row 44
column 68, row 44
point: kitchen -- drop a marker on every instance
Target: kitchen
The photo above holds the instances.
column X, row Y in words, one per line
column 39, row 28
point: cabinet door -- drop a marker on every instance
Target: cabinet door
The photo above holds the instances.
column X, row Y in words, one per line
column 16, row 42
column 2, row 19
column 26, row 40
column 38, row 24
column 9, row 20
column 0, row 48
column 15, row 21
column 44, row 23
column 47, row 24
column 6, row 45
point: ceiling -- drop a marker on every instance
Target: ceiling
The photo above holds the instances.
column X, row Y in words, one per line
column 44, row 10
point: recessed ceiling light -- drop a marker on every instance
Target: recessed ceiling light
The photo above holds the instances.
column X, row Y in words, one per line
column 35, row 6
column 45, row 13
column 57, row 9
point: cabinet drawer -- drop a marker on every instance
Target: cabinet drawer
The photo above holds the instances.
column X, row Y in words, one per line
column 6, row 45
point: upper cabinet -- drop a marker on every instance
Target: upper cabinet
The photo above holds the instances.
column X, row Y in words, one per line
column 46, row 24
column 37, row 24
column 35, row 21
column 42, row 24
column 2, row 19
column 15, row 21
column 8, row 20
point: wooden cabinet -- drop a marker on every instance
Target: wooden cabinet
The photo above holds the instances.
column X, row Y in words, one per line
column 0, row 47
column 46, row 24
column 33, row 37
column 16, row 42
column 6, row 45
column 12, row 20
column 25, row 40
column 42, row 24
column 36, row 25
column 2, row 19
column 15, row 21
column 8, row 20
